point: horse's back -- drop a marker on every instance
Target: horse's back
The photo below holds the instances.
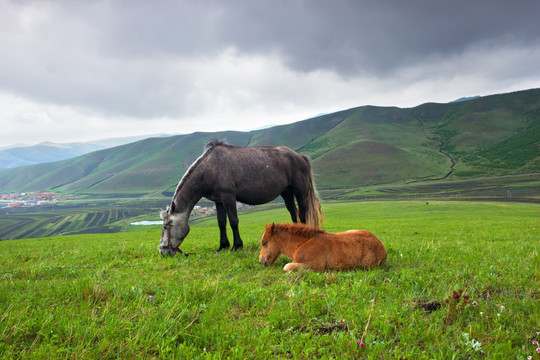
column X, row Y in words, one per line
column 256, row 175
column 259, row 157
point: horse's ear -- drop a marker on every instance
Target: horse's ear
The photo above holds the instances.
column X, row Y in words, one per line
column 272, row 228
column 172, row 208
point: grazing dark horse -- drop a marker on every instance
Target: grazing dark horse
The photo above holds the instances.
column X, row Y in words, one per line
column 319, row 250
column 252, row 175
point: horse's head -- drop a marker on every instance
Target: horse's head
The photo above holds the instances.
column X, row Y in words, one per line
column 270, row 249
column 175, row 229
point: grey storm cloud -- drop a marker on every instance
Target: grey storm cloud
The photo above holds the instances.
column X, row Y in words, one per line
column 347, row 37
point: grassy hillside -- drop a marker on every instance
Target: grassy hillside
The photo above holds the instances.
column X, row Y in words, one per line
column 374, row 145
column 489, row 136
column 112, row 295
column 493, row 135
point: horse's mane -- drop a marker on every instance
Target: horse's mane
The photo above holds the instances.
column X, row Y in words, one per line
column 298, row 229
column 213, row 143
column 209, row 146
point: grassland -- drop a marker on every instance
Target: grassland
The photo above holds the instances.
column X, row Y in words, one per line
column 112, row 296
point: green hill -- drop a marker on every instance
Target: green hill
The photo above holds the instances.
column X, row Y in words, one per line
column 487, row 136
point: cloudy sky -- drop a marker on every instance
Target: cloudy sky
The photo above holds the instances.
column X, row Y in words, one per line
column 84, row 70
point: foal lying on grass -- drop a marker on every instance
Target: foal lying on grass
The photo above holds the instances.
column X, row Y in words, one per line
column 319, row 250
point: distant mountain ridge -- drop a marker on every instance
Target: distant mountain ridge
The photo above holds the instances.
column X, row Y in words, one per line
column 47, row 151
column 488, row 136
column 43, row 153
column 465, row 98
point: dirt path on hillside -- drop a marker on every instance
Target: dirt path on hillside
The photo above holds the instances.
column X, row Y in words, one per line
column 441, row 145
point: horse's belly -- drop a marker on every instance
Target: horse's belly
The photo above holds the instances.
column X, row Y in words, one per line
column 261, row 190
column 256, row 198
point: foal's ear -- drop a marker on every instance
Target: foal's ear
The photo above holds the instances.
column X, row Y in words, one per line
column 272, row 228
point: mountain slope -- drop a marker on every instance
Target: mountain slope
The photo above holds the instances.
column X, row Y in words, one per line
column 492, row 135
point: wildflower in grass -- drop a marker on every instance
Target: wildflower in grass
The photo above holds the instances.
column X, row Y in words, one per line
column 362, row 345
column 151, row 298
column 473, row 343
column 348, row 344
column 490, row 339
column 538, row 350
column 534, row 342
column 455, row 305
column 474, row 303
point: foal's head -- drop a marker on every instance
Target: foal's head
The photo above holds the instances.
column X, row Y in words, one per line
column 270, row 249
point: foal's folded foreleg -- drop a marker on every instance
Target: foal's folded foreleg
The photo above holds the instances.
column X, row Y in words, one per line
column 294, row 266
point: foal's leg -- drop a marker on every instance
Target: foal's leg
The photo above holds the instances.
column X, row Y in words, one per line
column 230, row 207
column 222, row 223
column 288, row 197
column 294, row 266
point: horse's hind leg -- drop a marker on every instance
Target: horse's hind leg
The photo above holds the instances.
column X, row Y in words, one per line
column 288, row 197
column 302, row 206
column 222, row 223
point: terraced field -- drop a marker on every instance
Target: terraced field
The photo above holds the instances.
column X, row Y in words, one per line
column 70, row 219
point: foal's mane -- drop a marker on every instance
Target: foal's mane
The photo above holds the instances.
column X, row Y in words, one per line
column 297, row 229
column 208, row 147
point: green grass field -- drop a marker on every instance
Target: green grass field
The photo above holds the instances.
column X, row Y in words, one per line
column 112, row 295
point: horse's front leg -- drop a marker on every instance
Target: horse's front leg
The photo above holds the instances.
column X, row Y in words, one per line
column 230, row 206
column 222, row 223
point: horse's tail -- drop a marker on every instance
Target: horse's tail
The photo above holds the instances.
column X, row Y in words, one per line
column 314, row 213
